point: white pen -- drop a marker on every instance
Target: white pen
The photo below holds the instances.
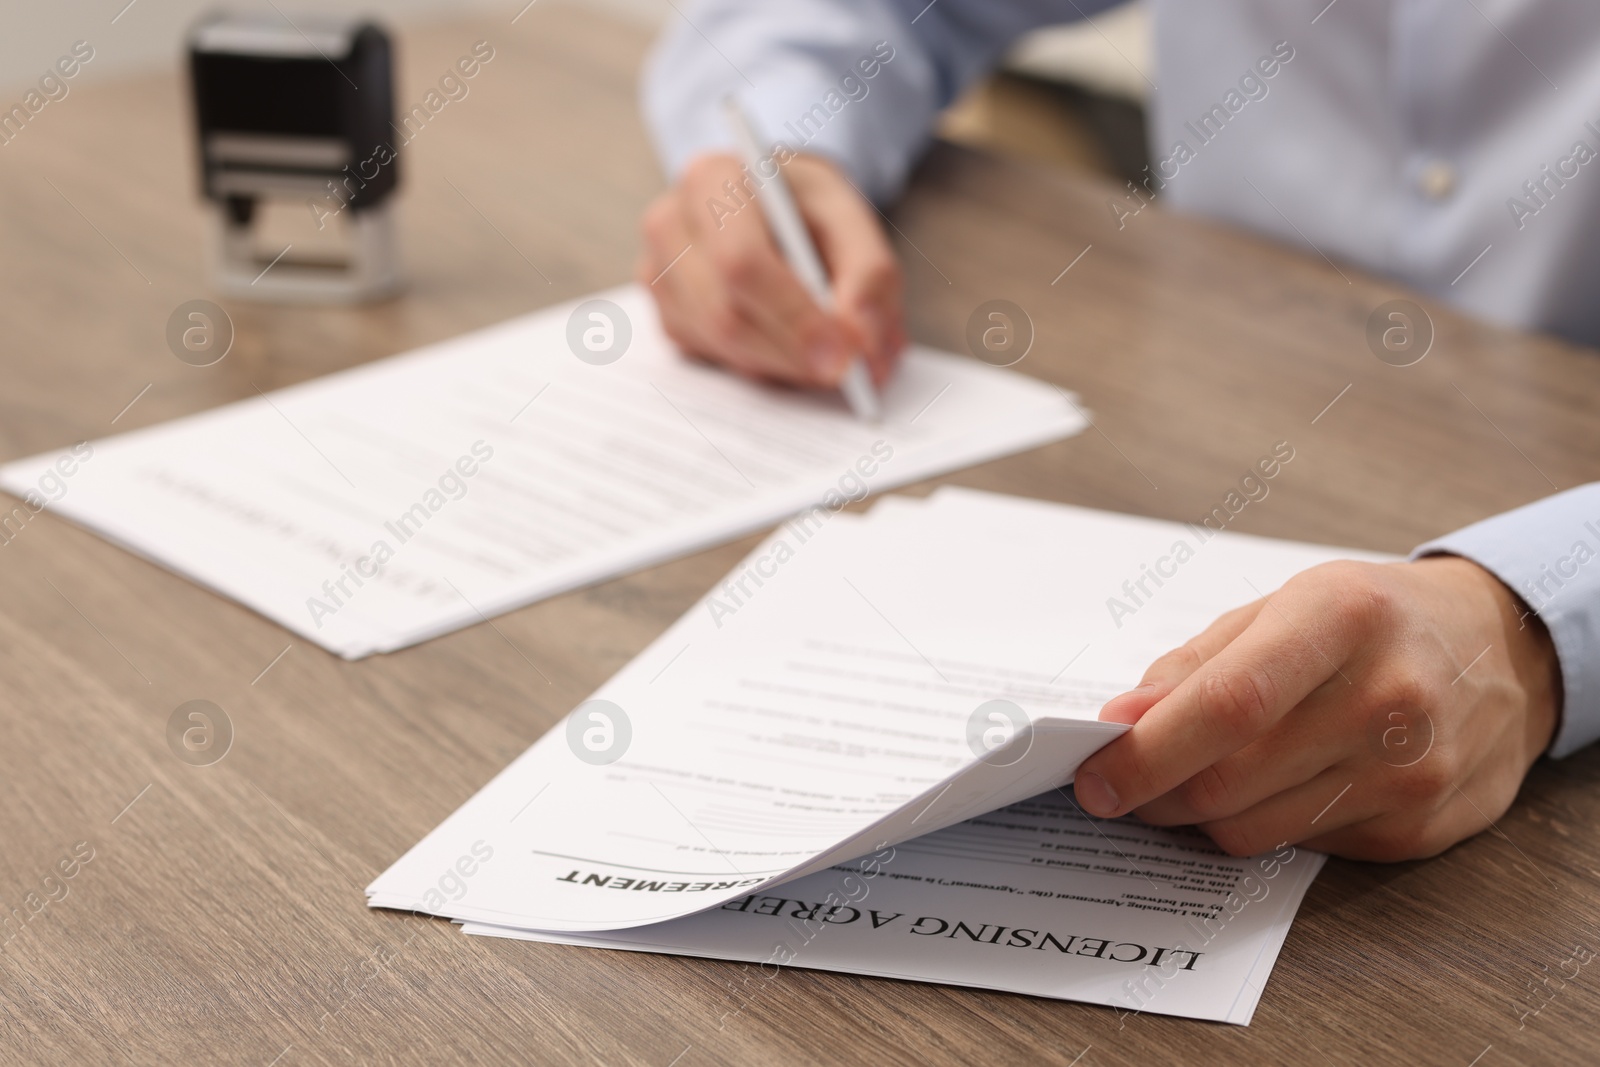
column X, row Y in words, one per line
column 783, row 215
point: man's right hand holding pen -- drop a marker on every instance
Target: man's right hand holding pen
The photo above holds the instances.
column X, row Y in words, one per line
column 726, row 294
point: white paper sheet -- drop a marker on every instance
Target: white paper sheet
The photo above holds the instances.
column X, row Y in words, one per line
column 818, row 705
column 378, row 507
column 792, row 735
column 1035, row 898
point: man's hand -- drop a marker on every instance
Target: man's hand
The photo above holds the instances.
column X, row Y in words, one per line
column 726, row 294
column 1378, row 712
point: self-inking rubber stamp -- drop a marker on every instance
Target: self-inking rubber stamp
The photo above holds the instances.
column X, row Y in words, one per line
column 299, row 111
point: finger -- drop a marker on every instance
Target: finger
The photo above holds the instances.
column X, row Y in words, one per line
column 877, row 326
column 700, row 316
column 660, row 226
column 691, row 287
column 697, row 309
column 1314, row 736
column 1327, row 803
column 1400, row 836
column 1184, row 660
column 1164, row 675
column 747, row 262
column 664, row 246
column 1295, row 642
column 1428, row 806
column 815, row 347
column 1131, row 706
column 867, row 281
column 867, row 292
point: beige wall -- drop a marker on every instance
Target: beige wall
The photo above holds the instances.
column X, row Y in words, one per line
column 149, row 33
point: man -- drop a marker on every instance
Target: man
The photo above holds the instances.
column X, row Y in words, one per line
column 1446, row 144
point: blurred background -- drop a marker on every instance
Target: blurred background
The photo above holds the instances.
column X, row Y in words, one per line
column 1072, row 96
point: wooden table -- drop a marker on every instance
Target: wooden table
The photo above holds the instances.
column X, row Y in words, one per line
column 221, row 918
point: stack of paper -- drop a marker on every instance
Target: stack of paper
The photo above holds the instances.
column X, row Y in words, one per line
column 372, row 509
column 876, row 687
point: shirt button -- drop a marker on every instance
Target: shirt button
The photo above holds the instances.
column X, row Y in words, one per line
column 1436, row 179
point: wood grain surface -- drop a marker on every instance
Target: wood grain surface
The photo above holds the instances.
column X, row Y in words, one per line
column 220, row 918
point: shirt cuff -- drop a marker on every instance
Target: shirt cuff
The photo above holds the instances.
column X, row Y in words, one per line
column 865, row 107
column 1548, row 553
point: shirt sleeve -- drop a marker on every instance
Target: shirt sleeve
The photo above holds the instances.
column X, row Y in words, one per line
column 858, row 81
column 1548, row 553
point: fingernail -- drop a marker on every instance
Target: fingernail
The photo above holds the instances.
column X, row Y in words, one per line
column 1096, row 794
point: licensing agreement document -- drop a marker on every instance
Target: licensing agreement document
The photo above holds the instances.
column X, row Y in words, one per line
column 375, row 508
column 1035, row 898
column 853, row 754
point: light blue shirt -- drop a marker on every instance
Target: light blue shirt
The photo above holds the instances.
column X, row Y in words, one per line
column 1453, row 145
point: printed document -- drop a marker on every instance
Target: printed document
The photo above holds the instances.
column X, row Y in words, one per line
column 870, row 690
column 1034, row 898
column 375, row 508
